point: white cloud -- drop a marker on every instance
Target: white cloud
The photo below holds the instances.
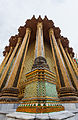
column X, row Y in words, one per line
column 14, row 13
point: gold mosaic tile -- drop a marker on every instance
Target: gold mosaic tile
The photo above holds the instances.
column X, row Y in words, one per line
column 49, row 57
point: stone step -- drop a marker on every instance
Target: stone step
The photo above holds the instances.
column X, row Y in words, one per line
column 42, row 116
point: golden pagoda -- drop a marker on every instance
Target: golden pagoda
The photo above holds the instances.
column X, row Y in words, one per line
column 38, row 70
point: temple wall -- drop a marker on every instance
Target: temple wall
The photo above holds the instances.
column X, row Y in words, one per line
column 28, row 61
column 49, row 57
column 37, row 88
column 44, row 90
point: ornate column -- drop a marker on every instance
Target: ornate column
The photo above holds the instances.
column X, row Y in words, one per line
column 2, row 65
column 39, row 41
column 71, row 62
column 66, row 91
column 75, row 64
column 5, row 60
column 11, row 82
column 73, row 77
column 10, row 91
column 39, row 48
column 7, row 68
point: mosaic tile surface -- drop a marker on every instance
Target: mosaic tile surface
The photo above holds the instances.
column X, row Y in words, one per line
column 28, row 61
column 49, row 57
column 31, row 90
column 50, row 89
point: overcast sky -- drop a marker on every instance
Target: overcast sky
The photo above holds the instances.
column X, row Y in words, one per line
column 14, row 13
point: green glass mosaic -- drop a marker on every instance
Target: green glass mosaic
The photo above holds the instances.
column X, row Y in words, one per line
column 50, row 89
column 31, row 90
column 41, row 91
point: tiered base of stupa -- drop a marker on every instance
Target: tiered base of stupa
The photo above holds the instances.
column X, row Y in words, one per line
column 39, row 107
column 40, row 92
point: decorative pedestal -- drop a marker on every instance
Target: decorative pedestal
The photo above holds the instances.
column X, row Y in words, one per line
column 9, row 95
column 40, row 92
column 68, row 94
